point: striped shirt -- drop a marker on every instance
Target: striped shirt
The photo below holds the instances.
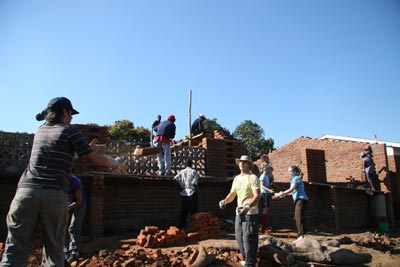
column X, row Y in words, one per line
column 50, row 164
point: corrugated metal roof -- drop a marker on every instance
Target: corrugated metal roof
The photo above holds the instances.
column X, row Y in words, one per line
column 353, row 139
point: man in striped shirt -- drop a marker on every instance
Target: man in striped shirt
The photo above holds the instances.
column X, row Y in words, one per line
column 41, row 196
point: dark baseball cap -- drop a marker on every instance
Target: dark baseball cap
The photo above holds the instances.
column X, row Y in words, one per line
column 56, row 104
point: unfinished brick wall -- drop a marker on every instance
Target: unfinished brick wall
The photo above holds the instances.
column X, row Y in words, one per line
column 95, row 131
column 131, row 203
column 220, row 156
column 128, row 203
column 329, row 208
column 342, row 159
column 8, row 185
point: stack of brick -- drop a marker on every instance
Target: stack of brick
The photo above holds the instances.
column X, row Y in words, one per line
column 153, row 237
column 100, row 133
column 220, row 135
column 94, row 131
column 205, row 225
column 221, row 155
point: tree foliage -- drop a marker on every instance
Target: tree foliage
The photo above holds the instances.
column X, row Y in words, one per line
column 212, row 125
column 125, row 131
column 252, row 135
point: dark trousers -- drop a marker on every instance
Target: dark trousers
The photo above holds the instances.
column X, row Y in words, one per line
column 246, row 233
column 189, row 205
column 300, row 216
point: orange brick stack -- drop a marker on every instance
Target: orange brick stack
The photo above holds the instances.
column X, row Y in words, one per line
column 218, row 134
column 206, row 225
column 221, row 155
column 100, row 133
column 153, row 237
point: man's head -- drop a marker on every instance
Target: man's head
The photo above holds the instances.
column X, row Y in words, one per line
column 57, row 106
column 245, row 163
column 368, row 149
column 171, row 118
column 189, row 163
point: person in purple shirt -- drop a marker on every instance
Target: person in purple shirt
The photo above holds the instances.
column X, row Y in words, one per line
column 76, row 211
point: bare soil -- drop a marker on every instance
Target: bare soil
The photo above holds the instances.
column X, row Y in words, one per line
column 387, row 254
column 383, row 253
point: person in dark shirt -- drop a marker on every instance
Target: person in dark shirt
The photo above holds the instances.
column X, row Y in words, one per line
column 165, row 132
column 41, row 196
column 155, row 123
column 369, row 168
column 76, row 212
column 198, row 125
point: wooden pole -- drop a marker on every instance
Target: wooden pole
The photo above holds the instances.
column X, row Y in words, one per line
column 190, row 117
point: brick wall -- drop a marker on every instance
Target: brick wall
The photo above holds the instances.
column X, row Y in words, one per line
column 341, row 160
column 220, row 156
column 118, row 204
column 329, row 208
column 130, row 203
column 95, row 131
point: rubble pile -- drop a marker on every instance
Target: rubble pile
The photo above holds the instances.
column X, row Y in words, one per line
column 204, row 226
column 377, row 241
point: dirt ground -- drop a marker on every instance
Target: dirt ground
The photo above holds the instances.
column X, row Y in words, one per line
column 382, row 253
column 383, row 248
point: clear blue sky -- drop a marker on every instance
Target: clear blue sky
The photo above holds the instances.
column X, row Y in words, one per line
column 296, row 68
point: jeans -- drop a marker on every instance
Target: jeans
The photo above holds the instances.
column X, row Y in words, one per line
column 246, row 233
column 74, row 228
column 30, row 210
column 164, row 158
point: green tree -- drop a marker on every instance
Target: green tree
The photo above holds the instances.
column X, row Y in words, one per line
column 252, row 136
column 211, row 125
column 125, row 131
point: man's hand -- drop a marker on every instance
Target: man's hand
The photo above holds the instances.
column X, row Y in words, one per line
column 222, row 204
column 243, row 210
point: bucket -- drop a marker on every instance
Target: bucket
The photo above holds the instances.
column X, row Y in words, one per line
column 383, row 227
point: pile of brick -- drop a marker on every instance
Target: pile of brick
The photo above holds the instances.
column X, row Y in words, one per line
column 204, row 224
column 153, row 237
column 218, row 134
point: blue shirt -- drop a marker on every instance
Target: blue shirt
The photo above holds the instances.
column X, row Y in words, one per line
column 299, row 192
column 265, row 179
column 75, row 184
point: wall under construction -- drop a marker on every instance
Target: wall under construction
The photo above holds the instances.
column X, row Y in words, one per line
column 129, row 202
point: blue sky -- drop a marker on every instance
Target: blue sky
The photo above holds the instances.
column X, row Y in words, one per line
column 296, row 68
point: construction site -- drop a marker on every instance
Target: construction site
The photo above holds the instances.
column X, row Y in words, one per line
column 134, row 215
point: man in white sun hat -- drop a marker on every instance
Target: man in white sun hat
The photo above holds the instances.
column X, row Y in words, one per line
column 246, row 188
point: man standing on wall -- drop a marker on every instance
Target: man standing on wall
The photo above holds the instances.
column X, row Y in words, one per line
column 165, row 133
column 198, row 125
column 155, row 123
